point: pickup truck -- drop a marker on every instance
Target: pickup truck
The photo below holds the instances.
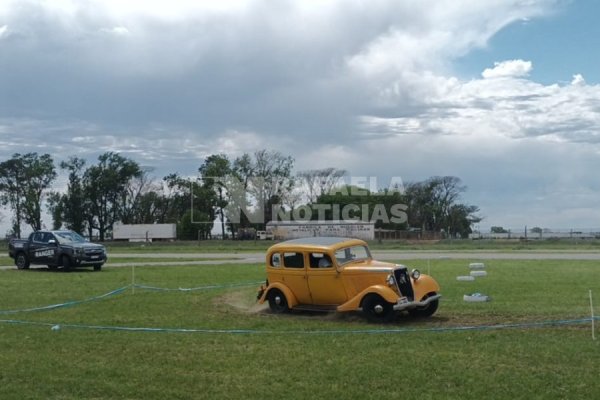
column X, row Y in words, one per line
column 65, row 249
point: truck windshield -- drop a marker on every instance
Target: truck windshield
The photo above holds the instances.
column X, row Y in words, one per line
column 66, row 237
column 352, row 254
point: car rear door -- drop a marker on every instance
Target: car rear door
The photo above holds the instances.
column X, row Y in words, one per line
column 295, row 277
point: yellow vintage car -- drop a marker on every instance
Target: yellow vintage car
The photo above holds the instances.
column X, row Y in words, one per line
column 339, row 274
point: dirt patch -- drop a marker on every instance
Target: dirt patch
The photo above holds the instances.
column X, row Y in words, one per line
column 242, row 301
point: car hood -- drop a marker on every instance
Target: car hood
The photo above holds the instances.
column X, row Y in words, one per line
column 370, row 266
column 86, row 246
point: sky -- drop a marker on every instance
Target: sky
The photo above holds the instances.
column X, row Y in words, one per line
column 504, row 94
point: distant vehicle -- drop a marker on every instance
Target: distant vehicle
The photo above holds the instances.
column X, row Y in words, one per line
column 339, row 274
column 65, row 249
column 264, row 235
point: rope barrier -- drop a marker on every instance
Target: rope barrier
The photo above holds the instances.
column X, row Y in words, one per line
column 66, row 304
column 121, row 290
column 56, row 326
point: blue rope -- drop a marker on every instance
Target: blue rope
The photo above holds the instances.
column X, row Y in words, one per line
column 121, row 290
column 209, row 287
column 56, row 326
column 67, row 304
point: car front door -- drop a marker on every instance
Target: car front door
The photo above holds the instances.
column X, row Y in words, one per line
column 324, row 281
column 40, row 251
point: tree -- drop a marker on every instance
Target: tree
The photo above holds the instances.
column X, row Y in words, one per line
column 318, row 182
column 73, row 203
column 215, row 172
column 190, row 205
column 23, row 181
column 271, row 180
column 11, row 177
column 433, row 206
column 105, row 185
column 139, row 199
column 55, row 203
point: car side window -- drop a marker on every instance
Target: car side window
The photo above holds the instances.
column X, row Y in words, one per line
column 320, row 260
column 293, row 260
column 38, row 237
column 276, row 260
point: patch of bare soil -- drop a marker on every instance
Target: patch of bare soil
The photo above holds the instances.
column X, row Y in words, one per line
column 241, row 301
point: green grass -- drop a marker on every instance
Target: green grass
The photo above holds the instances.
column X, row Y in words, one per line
column 286, row 356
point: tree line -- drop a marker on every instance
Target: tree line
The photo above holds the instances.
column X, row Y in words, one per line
column 243, row 192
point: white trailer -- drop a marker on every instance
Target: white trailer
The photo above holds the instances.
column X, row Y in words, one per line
column 144, row 232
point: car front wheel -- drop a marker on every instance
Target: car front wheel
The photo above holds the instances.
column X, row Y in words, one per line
column 277, row 302
column 426, row 311
column 376, row 309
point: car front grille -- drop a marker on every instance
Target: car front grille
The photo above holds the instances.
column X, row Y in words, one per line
column 403, row 282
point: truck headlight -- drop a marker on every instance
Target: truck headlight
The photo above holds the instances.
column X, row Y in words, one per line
column 390, row 280
column 415, row 273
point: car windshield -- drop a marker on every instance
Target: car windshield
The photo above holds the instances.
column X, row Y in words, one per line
column 69, row 237
column 352, row 254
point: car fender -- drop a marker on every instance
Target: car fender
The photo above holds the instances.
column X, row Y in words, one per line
column 424, row 286
column 387, row 293
column 291, row 299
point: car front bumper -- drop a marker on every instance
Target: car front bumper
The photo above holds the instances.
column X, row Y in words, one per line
column 404, row 304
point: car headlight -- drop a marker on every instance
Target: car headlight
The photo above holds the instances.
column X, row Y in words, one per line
column 415, row 273
column 390, row 280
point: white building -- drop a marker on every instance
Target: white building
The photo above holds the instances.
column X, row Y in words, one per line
column 300, row 229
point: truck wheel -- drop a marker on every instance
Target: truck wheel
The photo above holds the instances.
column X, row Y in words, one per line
column 21, row 261
column 97, row 267
column 67, row 264
column 376, row 309
column 277, row 302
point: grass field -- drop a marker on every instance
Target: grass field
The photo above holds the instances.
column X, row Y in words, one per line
column 299, row 355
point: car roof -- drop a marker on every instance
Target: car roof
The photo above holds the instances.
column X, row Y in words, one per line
column 319, row 242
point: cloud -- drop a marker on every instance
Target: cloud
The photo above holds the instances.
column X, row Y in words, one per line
column 508, row 69
column 365, row 86
column 578, row 80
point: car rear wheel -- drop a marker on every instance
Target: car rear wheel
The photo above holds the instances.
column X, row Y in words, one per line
column 376, row 309
column 97, row 267
column 426, row 311
column 277, row 302
column 21, row 261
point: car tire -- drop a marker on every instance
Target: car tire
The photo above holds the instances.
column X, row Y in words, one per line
column 376, row 309
column 67, row 264
column 21, row 261
column 426, row 311
column 97, row 267
column 277, row 302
